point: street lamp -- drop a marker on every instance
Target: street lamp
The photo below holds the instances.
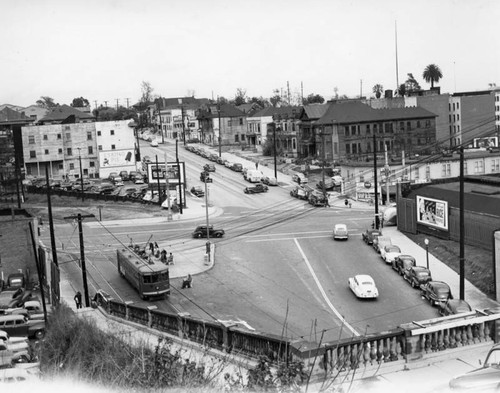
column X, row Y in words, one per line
column 426, row 241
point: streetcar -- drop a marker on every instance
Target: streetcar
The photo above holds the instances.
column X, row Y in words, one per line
column 150, row 277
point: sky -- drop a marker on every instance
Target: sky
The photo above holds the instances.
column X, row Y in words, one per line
column 103, row 50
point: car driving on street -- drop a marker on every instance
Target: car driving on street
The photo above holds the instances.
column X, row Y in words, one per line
column 258, row 188
column 340, row 232
column 201, row 231
column 363, row 286
column 205, row 177
column 198, row 191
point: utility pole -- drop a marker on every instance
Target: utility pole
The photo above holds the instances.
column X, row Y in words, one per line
column 51, row 221
column 462, row 226
column 274, row 149
column 169, row 214
column 206, row 215
column 81, row 173
column 95, row 103
column 220, row 127
column 39, row 272
column 117, row 100
column 387, row 173
column 323, row 161
column 158, row 107
column 179, row 174
column 127, row 101
column 375, row 180
column 80, row 218
column 158, row 181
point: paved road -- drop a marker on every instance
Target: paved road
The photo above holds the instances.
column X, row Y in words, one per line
column 278, row 269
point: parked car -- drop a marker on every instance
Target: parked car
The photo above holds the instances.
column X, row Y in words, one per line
column 139, row 179
column 318, row 199
column 16, row 281
column 213, row 157
column 118, row 181
column 454, row 306
column 220, row 160
column 103, row 189
column 124, row 175
column 363, row 286
column 370, row 234
column 77, row 185
column 380, row 242
column 154, row 143
column 21, row 326
column 198, row 191
column 328, row 185
column 112, row 176
column 66, row 185
column 337, row 180
column 418, row 276
column 436, row 292
column 340, row 232
column 237, row 167
column 269, row 181
column 483, row 379
column 258, row 188
column 389, row 252
column 132, row 175
column 209, row 168
column 11, row 298
column 299, row 178
column 201, row 231
column 205, row 177
column 228, row 164
column 402, row 263
column 300, row 193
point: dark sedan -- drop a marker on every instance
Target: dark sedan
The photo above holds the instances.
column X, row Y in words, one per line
column 258, row 188
column 417, row 276
column 198, row 191
column 402, row 263
column 371, row 234
column 454, row 306
column 201, row 231
column 209, row 168
column 205, row 177
column 436, row 292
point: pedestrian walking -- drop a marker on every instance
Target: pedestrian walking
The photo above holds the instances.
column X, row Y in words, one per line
column 170, row 260
column 256, row 165
column 78, row 299
column 346, row 202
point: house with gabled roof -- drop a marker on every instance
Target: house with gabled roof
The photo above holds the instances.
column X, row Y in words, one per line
column 65, row 114
column 224, row 124
column 307, row 132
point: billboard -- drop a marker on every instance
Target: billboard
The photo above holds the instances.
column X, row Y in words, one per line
column 491, row 141
column 116, row 158
column 174, row 172
column 432, row 212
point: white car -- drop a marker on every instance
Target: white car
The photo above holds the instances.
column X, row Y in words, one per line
column 389, row 253
column 340, row 232
column 299, row 178
column 363, row 286
column 154, row 143
column 228, row 164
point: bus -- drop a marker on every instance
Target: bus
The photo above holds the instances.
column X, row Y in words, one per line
column 150, row 277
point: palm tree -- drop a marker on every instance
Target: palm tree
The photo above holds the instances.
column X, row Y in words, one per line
column 432, row 74
column 378, row 89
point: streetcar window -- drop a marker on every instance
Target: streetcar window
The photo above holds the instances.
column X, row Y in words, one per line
column 146, row 279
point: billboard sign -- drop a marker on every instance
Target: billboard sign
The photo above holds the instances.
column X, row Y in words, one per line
column 116, row 158
column 432, row 212
column 173, row 171
column 486, row 142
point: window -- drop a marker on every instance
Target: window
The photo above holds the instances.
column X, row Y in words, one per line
column 85, row 171
column 59, row 136
column 71, row 166
column 458, row 117
column 32, row 154
column 402, row 125
column 458, row 106
column 89, row 135
column 112, row 132
column 98, row 133
column 354, row 148
column 449, row 118
column 99, row 147
column 417, row 173
column 427, row 172
column 242, row 137
column 68, row 136
column 454, row 118
column 408, row 125
column 374, row 128
column 353, row 130
column 458, row 128
column 46, row 151
column 465, row 163
column 91, row 150
column 368, row 131
column 418, row 123
column 92, row 164
column 69, row 152
column 479, row 166
column 60, row 167
column 113, row 147
column 241, row 121
column 446, row 170
column 31, row 139
column 453, row 106
column 236, row 138
column 495, row 165
column 45, row 137
column 346, row 130
column 294, row 144
column 348, row 148
column 427, row 124
column 59, row 151
column 67, row 128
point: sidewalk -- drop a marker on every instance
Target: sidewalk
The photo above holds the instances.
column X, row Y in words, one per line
column 431, row 374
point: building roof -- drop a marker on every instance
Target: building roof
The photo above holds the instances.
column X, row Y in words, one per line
column 314, row 111
column 10, row 116
column 62, row 112
column 249, row 108
column 357, row 112
column 176, row 102
column 290, row 111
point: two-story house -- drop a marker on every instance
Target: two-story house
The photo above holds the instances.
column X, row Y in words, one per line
column 307, row 130
column 222, row 124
